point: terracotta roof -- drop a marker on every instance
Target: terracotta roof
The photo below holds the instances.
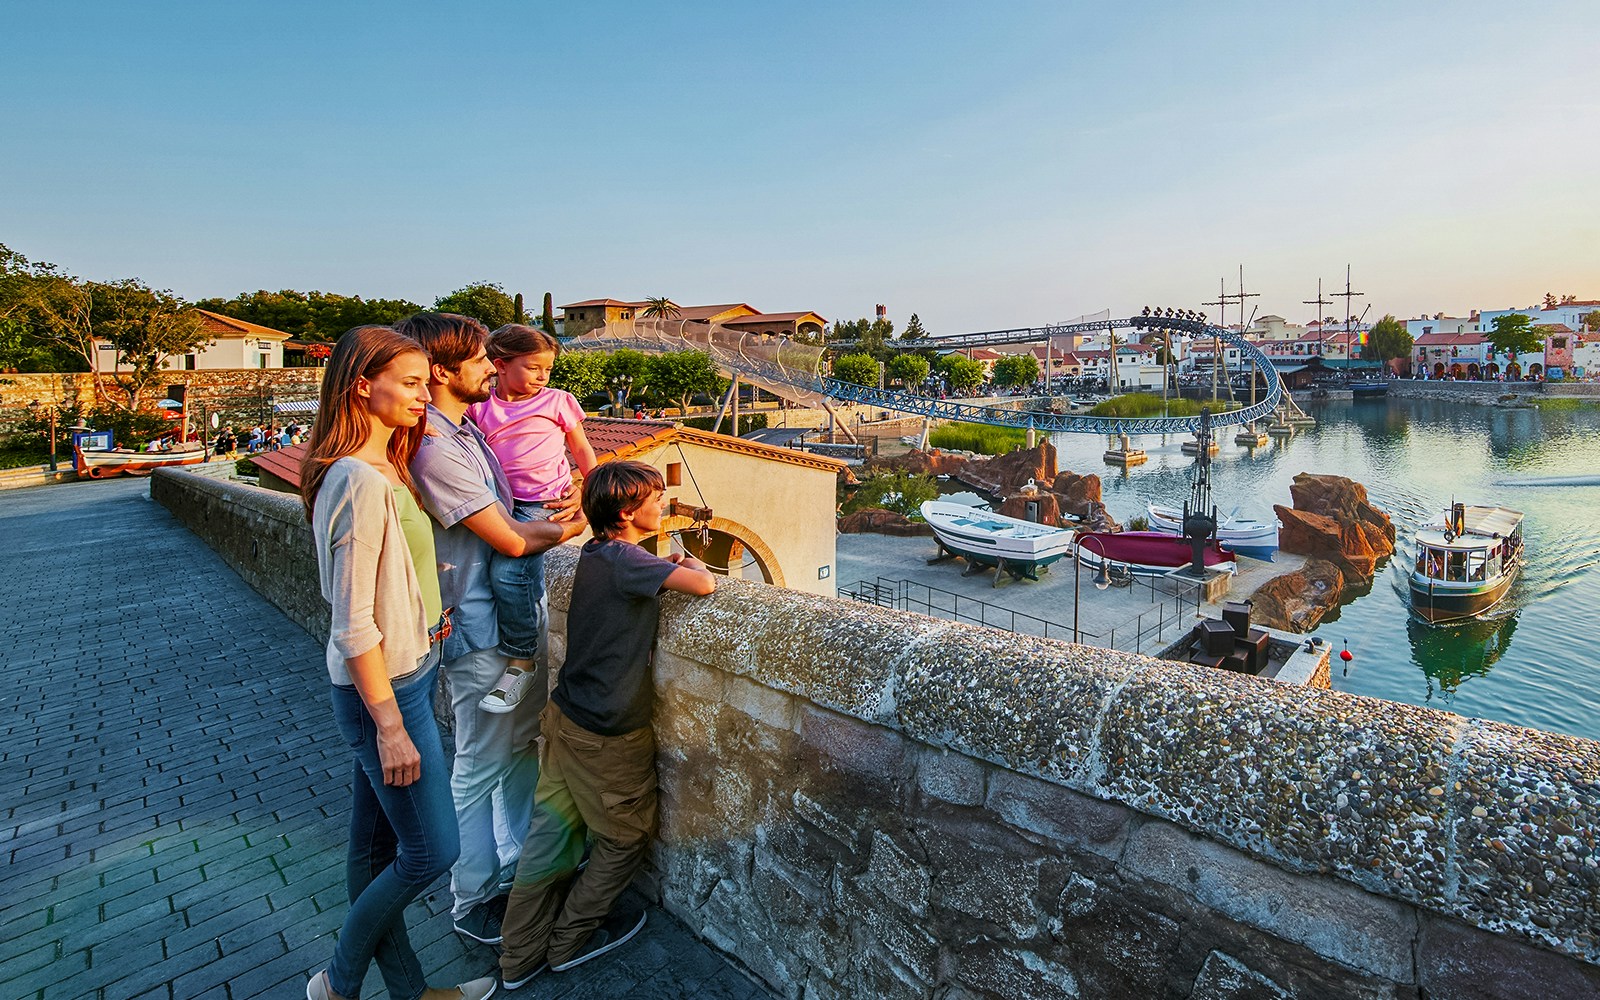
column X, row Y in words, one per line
column 1448, row 340
column 283, row 463
column 787, row 317
column 617, row 438
column 701, row 313
column 1556, row 328
column 219, row 325
column 597, row 302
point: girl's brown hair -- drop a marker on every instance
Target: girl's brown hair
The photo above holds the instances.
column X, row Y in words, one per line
column 342, row 426
column 514, row 340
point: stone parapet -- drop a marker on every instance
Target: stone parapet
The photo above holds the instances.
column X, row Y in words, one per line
column 860, row 802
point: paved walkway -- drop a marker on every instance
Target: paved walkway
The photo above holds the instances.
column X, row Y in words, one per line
column 175, row 795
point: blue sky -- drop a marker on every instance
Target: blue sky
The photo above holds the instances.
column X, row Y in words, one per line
column 982, row 168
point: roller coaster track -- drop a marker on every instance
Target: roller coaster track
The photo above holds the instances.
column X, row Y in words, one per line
column 794, row 371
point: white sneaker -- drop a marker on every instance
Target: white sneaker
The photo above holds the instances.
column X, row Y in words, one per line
column 508, row 691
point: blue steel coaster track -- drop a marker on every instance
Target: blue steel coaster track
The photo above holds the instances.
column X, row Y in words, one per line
column 740, row 354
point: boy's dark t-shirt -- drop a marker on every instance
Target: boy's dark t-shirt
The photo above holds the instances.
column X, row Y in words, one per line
column 605, row 684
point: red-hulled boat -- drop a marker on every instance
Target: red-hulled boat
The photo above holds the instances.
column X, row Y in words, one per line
column 1147, row 553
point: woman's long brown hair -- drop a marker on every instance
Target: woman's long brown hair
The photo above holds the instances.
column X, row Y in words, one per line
column 342, row 426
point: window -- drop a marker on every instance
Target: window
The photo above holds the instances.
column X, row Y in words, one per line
column 1559, row 343
column 188, row 362
column 262, row 360
column 1457, row 568
column 674, row 473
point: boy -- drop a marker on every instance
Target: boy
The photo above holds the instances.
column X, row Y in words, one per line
column 598, row 774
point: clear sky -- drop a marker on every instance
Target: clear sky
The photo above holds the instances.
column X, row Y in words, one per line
column 981, row 165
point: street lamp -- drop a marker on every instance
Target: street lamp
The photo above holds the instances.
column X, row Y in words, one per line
column 34, row 408
column 1101, row 581
column 620, row 384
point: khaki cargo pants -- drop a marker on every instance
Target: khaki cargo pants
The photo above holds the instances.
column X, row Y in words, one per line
column 590, row 786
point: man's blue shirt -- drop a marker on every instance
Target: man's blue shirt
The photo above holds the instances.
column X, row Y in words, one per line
column 458, row 476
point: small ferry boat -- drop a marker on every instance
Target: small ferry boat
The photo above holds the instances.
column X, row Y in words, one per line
column 99, row 463
column 1244, row 535
column 1466, row 564
column 1369, row 388
column 1146, row 553
column 984, row 538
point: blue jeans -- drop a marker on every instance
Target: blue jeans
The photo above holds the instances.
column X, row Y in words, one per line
column 401, row 839
column 518, row 584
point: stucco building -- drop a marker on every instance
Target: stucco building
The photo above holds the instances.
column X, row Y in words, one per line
column 234, row 344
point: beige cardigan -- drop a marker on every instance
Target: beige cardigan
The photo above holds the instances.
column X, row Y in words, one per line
column 366, row 572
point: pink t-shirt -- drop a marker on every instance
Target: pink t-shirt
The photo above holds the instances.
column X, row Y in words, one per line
column 529, row 437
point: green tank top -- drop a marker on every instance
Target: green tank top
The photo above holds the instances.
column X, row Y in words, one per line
column 418, row 530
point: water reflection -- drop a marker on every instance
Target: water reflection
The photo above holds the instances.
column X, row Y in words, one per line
column 1451, row 654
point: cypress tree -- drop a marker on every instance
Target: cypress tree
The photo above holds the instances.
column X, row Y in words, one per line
column 548, row 319
column 517, row 315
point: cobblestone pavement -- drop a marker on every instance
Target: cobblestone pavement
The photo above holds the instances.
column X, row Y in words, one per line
column 173, row 820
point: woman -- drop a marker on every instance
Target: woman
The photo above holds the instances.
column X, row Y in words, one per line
column 376, row 563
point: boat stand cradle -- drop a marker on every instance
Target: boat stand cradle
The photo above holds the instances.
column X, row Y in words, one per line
column 1002, row 568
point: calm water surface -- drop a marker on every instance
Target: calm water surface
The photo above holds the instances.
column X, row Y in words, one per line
column 1534, row 663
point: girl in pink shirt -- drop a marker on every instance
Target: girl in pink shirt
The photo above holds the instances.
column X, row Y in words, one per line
column 530, row 427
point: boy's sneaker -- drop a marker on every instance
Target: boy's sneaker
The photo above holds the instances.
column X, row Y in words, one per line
column 616, row 930
column 508, row 691
column 521, row 979
column 482, row 922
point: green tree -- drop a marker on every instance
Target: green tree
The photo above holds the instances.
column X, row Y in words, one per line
column 1514, row 334
column 627, row 373
column 867, row 336
column 517, row 315
column 1016, row 370
column 1591, row 321
column 914, row 329
column 484, row 301
column 862, row 369
column 963, row 374
column 311, row 316
column 682, row 375
column 910, row 370
column 146, row 326
column 582, row 373
column 1387, row 340
column 547, row 318
column 900, row 492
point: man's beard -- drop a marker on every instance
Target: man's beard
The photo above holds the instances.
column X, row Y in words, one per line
column 469, row 393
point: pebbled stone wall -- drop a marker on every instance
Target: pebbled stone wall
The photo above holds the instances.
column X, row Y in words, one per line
column 858, row 802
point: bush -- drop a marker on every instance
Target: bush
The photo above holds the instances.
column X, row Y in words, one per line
column 900, row 492
column 1144, row 404
column 985, row 439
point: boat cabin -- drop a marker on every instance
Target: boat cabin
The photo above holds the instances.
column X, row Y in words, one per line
column 1474, row 544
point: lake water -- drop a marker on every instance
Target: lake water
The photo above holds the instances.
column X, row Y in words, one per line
column 1534, row 663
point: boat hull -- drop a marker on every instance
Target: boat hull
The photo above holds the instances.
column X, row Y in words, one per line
column 1438, row 605
column 1256, row 539
column 1369, row 390
column 103, row 464
column 1147, row 553
column 990, row 539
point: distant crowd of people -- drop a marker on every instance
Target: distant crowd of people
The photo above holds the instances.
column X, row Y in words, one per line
column 432, row 497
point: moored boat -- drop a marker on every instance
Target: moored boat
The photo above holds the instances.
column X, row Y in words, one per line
column 1246, row 536
column 99, row 463
column 1465, row 565
column 1147, row 553
column 985, row 538
column 1369, row 388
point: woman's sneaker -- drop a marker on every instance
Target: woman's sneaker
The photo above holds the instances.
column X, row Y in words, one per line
column 508, row 691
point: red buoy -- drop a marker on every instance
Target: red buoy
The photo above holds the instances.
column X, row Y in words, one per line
column 1346, row 655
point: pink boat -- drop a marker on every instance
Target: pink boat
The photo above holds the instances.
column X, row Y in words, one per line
column 1146, row 553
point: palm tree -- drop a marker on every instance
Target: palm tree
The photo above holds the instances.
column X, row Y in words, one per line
column 661, row 308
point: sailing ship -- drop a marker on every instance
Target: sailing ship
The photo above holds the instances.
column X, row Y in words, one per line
column 1245, row 536
column 1466, row 564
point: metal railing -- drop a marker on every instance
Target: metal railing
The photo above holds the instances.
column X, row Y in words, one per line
column 1174, row 603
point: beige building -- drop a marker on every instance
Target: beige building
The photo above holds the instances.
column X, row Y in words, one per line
column 772, row 509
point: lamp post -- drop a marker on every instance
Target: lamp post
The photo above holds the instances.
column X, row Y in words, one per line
column 1101, row 581
column 620, row 384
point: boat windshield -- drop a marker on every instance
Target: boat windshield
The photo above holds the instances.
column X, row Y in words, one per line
column 1430, row 562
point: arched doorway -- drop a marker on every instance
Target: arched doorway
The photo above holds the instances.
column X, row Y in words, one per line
column 730, row 549
column 1536, row 371
column 1456, row 371
column 1514, row 372
column 1473, row 372
column 1492, row 370
column 1438, row 369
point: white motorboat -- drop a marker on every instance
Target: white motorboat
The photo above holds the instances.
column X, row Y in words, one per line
column 984, row 538
column 1245, row 536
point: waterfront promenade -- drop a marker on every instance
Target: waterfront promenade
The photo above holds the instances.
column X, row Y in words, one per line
column 175, row 793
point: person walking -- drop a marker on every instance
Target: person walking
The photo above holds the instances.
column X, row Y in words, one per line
column 376, row 567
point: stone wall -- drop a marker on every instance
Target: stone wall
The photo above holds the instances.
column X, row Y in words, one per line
column 238, row 395
column 859, row 802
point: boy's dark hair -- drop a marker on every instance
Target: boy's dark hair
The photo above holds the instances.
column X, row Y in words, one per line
column 514, row 340
column 448, row 338
column 616, row 488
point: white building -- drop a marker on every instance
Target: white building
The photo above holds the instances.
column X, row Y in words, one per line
column 1570, row 314
column 234, row 344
